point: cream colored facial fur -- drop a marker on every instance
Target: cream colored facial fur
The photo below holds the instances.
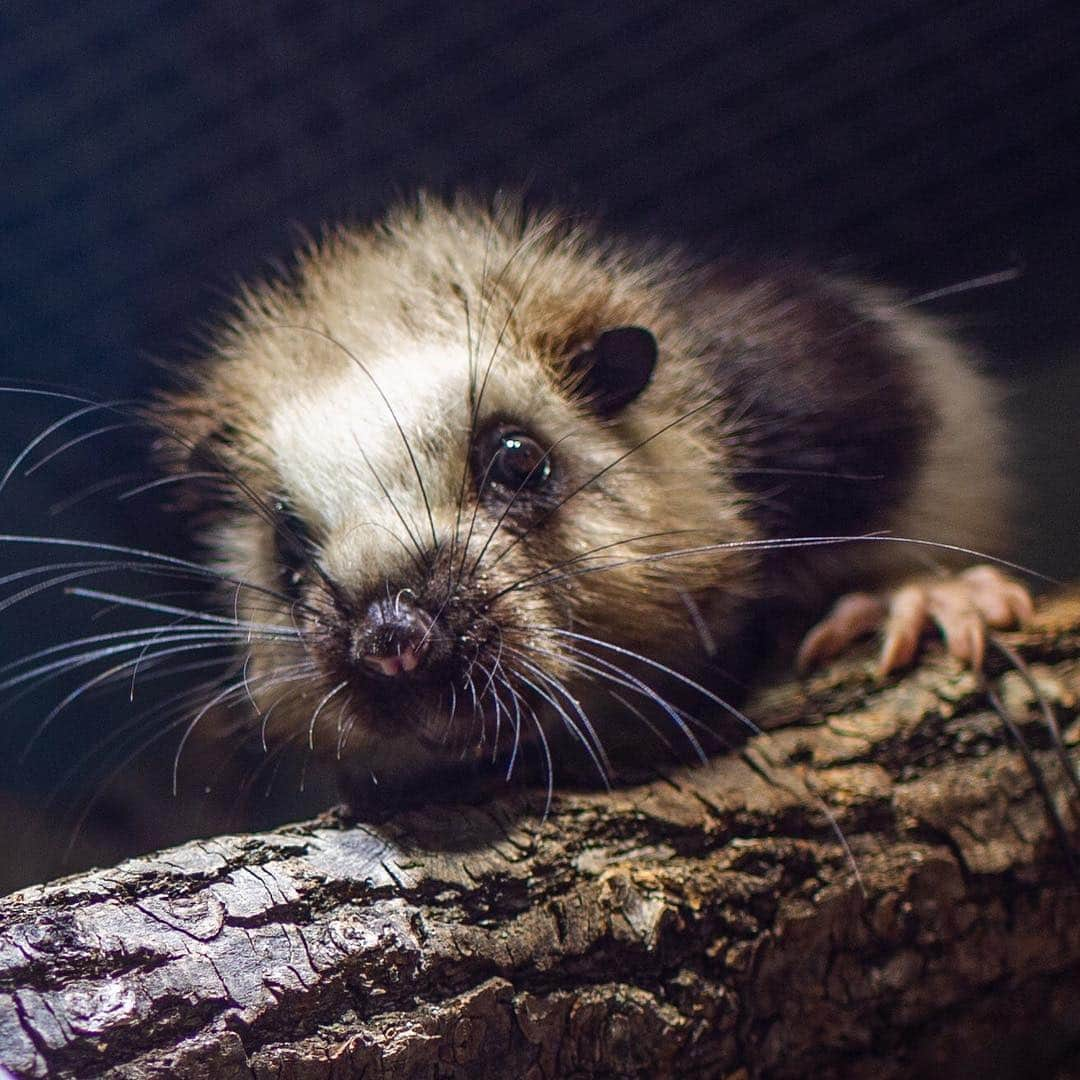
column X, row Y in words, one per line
column 352, row 390
column 374, row 346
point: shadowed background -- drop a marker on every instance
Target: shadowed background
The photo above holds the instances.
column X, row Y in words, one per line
column 156, row 154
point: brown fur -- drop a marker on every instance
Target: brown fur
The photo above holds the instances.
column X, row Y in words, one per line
column 290, row 403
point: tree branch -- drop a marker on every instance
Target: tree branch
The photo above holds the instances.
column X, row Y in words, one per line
column 703, row 924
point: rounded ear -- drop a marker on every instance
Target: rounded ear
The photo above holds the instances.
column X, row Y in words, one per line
column 615, row 368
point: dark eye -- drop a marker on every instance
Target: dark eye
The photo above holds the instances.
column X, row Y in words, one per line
column 515, row 460
column 294, row 546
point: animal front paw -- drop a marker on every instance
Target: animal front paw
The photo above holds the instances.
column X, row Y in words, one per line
column 963, row 608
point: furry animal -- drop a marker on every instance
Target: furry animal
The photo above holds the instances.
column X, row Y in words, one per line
column 476, row 481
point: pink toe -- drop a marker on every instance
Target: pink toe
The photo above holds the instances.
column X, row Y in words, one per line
column 1021, row 602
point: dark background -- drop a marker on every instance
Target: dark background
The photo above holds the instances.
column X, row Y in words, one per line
column 155, row 154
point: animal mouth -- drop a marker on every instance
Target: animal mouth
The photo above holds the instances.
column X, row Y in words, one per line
column 453, row 709
column 405, row 660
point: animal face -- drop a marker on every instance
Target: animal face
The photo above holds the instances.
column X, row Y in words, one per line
column 462, row 468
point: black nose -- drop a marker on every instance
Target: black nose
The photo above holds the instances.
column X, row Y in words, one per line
column 393, row 638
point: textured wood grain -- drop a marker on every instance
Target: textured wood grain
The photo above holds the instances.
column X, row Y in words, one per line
column 707, row 924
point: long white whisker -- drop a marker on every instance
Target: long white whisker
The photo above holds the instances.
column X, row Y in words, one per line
column 89, row 490
column 586, row 723
column 584, row 556
column 232, row 688
column 549, row 768
column 636, row 712
column 623, row 678
column 70, row 663
column 518, row 702
column 165, row 481
column 571, row 725
column 327, row 698
column 53, row 427
column 157, row 735
column 152, row 557
column 488, row 686
column 142, row 720
column 168, row 609
column 105, row 676
column 108, row 429
column 94, row 639
column 686, row 680
column 780, row 544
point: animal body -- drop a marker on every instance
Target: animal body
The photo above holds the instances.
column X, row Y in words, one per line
column 480, row 484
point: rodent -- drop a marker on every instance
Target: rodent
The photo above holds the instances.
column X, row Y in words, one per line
column 487, row 476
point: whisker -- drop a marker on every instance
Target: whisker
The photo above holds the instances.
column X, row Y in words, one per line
column 452, row 712
column 999, row 277
column 472, row 525
column 549, row 768
column 513, row 719
column 540, row 579
column 51, row 568
column 621, row 677
column 37, row 679
column 1060, row 829
column 175, row 704
column 686, row 680
column 386, row 529
column 123, row 764
column 325, row 335
column 526, row 242
column 327, row 698
column 273, row 760
column 393, row 505
column 488, row 686
column 218, row 699
column 71, row 443
column 476, row 395
column 203, row 616
column 596, row 754
column 465, row 465
column 1049, row 720
column 638, row 714
column 712, row 400
column 783, row 543
column 304, row 670
column 142, row 415
column 81, row 659
column 518, row 702
column 584, row 556
column 471, row 685
column 165, row 481
column 88, row 407
column 105, row 676
column 94, row 639
column 344, row 726
column 171, row 594
column 153, row 558
column 62, row 505
column 511, row 503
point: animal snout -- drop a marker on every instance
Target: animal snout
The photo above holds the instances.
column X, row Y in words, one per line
column 394, row 638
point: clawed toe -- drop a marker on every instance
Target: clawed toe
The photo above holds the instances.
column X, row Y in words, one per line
column 962, row 608
column 852, row 617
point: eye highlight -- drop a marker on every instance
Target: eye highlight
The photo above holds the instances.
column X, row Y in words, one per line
column 513, row 460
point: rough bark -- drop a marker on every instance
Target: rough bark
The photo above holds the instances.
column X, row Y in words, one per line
column 707, row 924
